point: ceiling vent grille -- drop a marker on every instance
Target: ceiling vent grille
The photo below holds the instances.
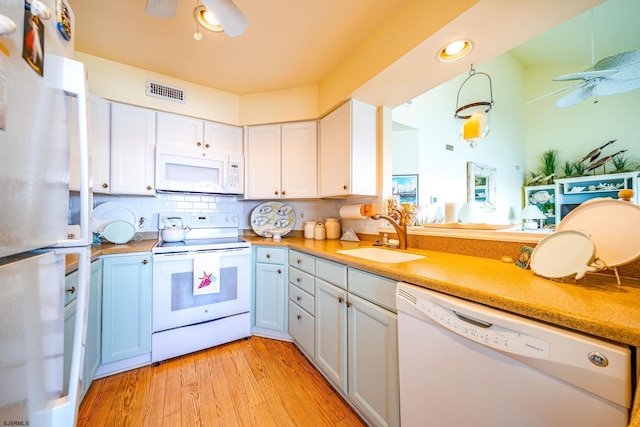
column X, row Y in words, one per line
column 164, row 91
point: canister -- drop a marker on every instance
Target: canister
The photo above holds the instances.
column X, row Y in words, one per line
column 319, row 231
column 308, row 229
column 332, row 226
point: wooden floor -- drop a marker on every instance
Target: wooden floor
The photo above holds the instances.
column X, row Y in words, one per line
column 254, row 382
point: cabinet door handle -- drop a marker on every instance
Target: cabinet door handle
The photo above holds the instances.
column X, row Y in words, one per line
column 298, row 317
column 199, row 144
column 279, row 271
column 268, row 256
column 345, row 187
column 299, row 298
column 283, row 192
column 149, row 187
column 206, row 145
column 144, row 261
column 348, row 304
column 105, row 185
column 340, row 300
column 72, row 290
column 275, row 192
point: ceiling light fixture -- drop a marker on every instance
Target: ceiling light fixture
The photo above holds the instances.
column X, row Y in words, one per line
column 207, row 19
column 455, row 50
column 473, row 120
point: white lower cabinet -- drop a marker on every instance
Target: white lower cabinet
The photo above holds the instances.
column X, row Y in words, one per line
column 92, row 340
column 344, row 319
column 373, row 361
column 331, row 332
column 270, row 290
column 126, row 312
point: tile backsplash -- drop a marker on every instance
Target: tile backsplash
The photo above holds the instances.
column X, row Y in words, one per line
column 149, row 207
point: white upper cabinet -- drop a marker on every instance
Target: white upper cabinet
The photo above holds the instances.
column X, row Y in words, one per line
column 180, row 132
column 133, row 140
column 281, row 161
column 348, row 151
column 196, row 136
column 99, row 142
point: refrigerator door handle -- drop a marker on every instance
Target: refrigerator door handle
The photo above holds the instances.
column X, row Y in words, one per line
column 74, row 83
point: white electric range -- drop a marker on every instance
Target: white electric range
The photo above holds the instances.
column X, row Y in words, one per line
column 201, row 285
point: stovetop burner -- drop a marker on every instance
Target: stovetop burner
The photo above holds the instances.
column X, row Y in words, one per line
column 207, row 231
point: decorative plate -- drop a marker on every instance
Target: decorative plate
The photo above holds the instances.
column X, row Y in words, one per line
column 612, row 224
column 540, row 197
column 113, row 211
column 563, row 254
column 275, row 216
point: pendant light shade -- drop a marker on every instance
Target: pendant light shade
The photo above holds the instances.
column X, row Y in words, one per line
column 473, row 121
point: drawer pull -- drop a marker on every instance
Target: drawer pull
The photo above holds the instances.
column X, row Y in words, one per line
column 72, row 290
column 298, row 317
column 299, row 261
column 299, row 298
column 268, row 256
column 298, row 280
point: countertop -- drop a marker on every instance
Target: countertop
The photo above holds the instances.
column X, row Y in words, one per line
column 595, row 305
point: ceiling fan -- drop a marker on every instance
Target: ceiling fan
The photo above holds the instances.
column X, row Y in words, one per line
column 609, row 76
column 231, row 19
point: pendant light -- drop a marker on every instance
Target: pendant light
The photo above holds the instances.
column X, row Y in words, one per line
column 473, row 120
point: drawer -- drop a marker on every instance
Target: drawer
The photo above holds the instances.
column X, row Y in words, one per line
column 270, row 255
column 301, row 298
column 377, row 289
column 70, row 287
column 302, row 261
column 302, row 329
column 332, row 272
column 302, row 280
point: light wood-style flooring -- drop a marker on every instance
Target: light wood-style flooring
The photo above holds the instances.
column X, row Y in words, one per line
column 253, row 382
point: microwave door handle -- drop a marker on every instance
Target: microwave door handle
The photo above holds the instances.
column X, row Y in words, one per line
column 225, row 175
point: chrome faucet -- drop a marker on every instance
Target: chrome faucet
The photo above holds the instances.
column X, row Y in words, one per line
column 401, row 226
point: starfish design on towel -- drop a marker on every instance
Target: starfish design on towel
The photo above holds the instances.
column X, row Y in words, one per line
column 205, row 280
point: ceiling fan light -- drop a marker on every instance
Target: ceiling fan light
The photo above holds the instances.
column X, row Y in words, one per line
column 455, row 50
column 207, row 19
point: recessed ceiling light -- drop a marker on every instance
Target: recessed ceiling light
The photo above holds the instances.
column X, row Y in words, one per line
column 206, row 18
column 455, row 50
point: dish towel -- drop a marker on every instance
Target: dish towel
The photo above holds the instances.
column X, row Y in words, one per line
column 206, row 273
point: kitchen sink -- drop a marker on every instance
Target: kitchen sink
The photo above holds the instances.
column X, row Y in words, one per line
column 381, row 255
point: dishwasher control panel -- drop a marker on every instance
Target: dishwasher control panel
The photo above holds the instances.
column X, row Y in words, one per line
column 485, row 333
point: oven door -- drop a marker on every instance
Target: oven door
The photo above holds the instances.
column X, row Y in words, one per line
column 174, row 302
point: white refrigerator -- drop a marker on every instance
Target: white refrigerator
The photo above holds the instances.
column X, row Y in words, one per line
column 43, row 113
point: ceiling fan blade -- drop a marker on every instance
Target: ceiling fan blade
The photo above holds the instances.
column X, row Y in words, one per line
column 621, row 60
column 553, row 93
column 613, row 87
column 162, row 8
column 585, row 75
column 575, row 97
column 231, row 19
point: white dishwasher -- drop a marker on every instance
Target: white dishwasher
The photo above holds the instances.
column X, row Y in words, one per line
column 464, row 364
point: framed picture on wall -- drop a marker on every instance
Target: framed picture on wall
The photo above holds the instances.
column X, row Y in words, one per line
column 405, row 187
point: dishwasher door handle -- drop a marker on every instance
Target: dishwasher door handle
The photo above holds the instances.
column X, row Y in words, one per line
column 475, row 322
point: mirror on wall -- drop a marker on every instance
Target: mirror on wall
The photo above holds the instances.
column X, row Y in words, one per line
column 482, row 185
column 526, row 123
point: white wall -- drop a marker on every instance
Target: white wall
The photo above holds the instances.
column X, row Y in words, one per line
column 443, row 173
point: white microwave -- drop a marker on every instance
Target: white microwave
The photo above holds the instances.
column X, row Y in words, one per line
column 215, row 173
